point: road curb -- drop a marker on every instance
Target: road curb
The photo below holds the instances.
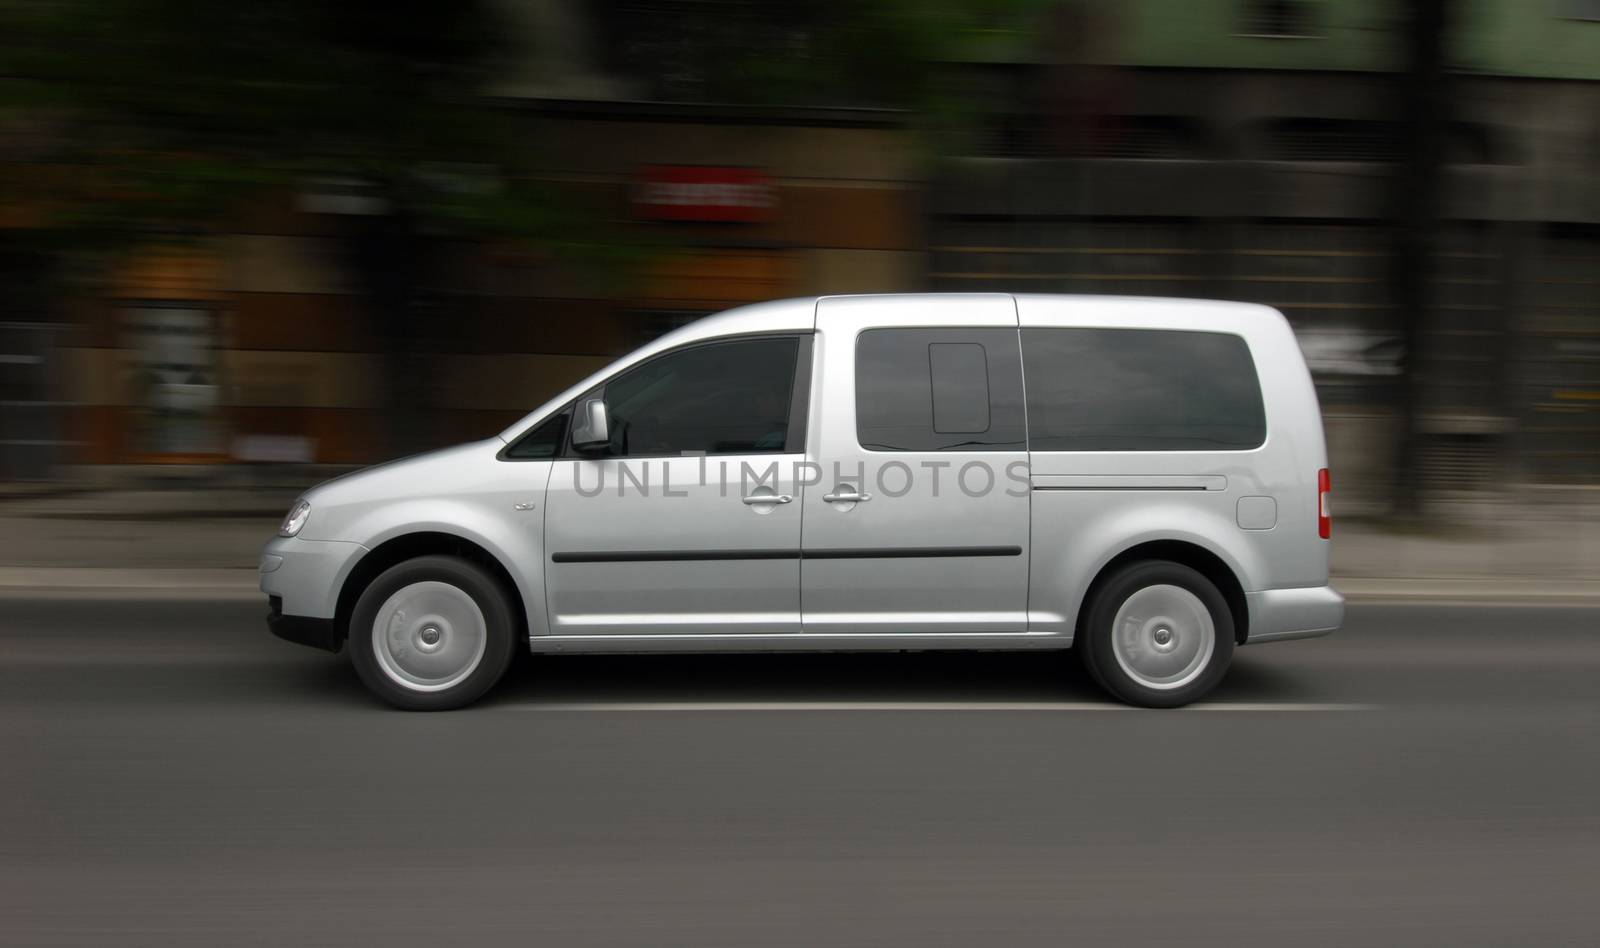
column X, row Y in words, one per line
column 1467, row 590
column 57, row 582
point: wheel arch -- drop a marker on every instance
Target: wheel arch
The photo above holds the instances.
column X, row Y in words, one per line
column 406, row 546
column 1203, row 561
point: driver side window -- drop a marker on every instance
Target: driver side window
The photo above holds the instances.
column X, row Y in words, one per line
column 729, row 397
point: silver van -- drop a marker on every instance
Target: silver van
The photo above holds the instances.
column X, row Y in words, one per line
column 1143, row 480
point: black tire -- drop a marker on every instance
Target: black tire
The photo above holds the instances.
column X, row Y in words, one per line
column 499, row 634
column 1100, row 653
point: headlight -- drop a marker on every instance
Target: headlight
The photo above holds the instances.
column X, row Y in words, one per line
column 296, row 519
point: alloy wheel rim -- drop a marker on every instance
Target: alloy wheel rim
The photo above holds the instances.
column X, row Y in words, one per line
column 1163, row 637
column 429, row 636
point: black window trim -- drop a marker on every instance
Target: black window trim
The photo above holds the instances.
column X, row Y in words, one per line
column 799, row 400
column 504, row 454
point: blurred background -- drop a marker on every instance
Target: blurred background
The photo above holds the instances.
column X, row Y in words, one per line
column 245, row 246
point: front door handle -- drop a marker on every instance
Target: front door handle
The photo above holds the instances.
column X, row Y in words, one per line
column 752, row 499
column 839, row 497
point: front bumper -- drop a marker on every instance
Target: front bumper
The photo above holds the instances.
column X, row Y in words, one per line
column 317, row 633
column 1277, row 615
column 302, row 579
column 307, row 574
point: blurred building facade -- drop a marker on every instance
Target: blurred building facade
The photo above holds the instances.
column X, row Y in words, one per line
column 1239, row 149
column 1244, row 151
column 257, row 345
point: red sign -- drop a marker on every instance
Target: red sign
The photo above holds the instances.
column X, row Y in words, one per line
column 700, row 193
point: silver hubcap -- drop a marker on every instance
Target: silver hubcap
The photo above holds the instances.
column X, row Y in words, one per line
column 429, row 636
column 1163, row 637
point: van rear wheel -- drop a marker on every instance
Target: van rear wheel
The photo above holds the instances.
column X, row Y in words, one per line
column 432, row 633
column 1157, row 634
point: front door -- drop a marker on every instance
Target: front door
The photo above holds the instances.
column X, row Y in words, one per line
column 689, row 522
column 918, row 522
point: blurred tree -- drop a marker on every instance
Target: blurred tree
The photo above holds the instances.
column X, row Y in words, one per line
column 167, row 120
column 164, row 120
column 1424, row 112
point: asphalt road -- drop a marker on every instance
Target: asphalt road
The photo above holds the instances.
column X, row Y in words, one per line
column 171, row 775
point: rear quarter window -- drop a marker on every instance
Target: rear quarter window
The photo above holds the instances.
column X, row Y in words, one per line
column 1141, row 390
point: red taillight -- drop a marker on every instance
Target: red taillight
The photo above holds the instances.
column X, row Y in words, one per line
column 1324, row 516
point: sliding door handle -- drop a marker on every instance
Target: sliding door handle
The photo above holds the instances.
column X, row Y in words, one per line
column 845, row 497
column 752, row 499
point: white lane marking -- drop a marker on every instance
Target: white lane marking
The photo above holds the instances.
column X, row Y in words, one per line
column 1014, row 706
column 1281, row 706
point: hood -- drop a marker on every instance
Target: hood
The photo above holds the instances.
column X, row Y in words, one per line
column 432, row 472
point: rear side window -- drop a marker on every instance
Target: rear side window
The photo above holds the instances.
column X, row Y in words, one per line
column 939, row 390
column 1141, row 390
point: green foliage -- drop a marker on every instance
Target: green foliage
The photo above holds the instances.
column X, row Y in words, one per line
column 169, row 115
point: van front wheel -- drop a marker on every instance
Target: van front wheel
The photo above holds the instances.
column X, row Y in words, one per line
column 432, row 633
column 1157, row 634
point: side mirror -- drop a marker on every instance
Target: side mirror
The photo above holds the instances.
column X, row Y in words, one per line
column 590, row 429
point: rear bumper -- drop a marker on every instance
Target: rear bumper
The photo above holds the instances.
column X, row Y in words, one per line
column 302, row 630
column 1277, row 615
